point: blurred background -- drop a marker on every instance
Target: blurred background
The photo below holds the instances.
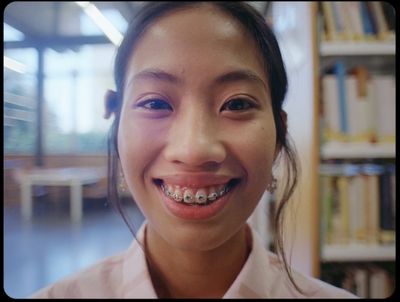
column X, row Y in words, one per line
column 58, row 64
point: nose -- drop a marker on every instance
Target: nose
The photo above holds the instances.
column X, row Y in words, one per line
column 193, row 140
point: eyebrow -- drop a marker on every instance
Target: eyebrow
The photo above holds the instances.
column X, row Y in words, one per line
column 240, row 75
column 156, row 74
column 226, row 78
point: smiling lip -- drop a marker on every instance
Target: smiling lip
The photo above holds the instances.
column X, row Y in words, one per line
column 196, row 180
column 193, row 211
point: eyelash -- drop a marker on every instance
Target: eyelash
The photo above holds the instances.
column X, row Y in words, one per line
column 153, row 101
column 156, row 102
column 248, row 104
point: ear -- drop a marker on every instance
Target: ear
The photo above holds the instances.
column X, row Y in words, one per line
column 110, row 103
column 284, row 130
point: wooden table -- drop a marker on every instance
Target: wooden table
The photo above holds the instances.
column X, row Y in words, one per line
column 75, row 177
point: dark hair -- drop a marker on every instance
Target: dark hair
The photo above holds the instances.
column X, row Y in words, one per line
column 254, row 23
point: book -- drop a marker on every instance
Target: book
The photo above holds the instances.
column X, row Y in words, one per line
column 342, row 226
column 360, row 128
column 379, row 20
column 366, row 21
column 357, row 210
column 326, row 209
column 330, row 108
column 345, row 17
column 384, row 106
column 371, row 173
column 390, row 15
column 373, row 20
column 337, row 20
column 393, row 187
column 387, row 214
column 330, row 26
column 335, row 235
column 354, row 11
column 380, row 283
column 361, row 281
column 340, row 72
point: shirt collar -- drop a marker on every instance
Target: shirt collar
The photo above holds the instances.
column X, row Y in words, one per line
column 136, row 280
column 251, row 281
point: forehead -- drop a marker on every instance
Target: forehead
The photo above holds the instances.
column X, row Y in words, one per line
column 202, row 35
column 199, row 22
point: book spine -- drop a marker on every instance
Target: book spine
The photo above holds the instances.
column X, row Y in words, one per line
column 340, row 72
column 329, row 20
column 366, row 20
column 354, row 10
column 330, row 108
column 380, row 21
column 384, row 98
column 387, row 214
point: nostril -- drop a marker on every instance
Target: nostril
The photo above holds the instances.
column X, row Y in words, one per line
column 196, row 158
column 196, row 151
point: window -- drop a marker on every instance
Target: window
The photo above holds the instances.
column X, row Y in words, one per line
column 20, row 93
column 75, row 85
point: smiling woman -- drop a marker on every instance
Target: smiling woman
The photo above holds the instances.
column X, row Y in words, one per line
column 198, row 125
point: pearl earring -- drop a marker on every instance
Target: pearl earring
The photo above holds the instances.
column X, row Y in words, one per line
column 271, row 187
column 122, row 183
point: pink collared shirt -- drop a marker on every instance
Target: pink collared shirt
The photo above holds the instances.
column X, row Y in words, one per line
column 125, row 275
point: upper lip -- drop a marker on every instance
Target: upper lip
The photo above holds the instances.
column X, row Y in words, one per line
column 196, row 180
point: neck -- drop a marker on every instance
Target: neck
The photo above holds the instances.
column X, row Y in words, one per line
column 178, row 273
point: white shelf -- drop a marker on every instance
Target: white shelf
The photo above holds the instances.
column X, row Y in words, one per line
column 343, row 48
column 339, row 150
column 358, row 252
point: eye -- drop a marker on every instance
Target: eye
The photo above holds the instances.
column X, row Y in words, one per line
column 238, row 104
column 154, row 104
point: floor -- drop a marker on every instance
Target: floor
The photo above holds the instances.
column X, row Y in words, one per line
column 51, row 247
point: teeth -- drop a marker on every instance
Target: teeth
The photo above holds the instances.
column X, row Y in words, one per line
column 188, row 196
column 212, row 196
column 199, row 197
column 168, row 190
column 177, row 195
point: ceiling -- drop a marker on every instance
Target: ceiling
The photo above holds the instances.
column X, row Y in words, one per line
column 56, row 19
column 60, row 22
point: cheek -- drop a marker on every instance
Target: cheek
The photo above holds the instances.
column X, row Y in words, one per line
column 138, row 147
column 256, row 151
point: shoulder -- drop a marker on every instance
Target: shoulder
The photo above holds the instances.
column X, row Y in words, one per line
column 315, row 288
column 123, row 275
column 311, row 287
column 97, row 281
column 265, row 275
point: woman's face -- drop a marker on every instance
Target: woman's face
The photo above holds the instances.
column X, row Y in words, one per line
column 196, row 123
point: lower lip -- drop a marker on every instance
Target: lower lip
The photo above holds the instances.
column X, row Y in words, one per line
column 195, row 212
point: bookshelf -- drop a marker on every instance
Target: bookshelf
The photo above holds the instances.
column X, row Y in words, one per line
column 356, row 197
column 362, row 48
column 358, row 252
column 364, row 150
